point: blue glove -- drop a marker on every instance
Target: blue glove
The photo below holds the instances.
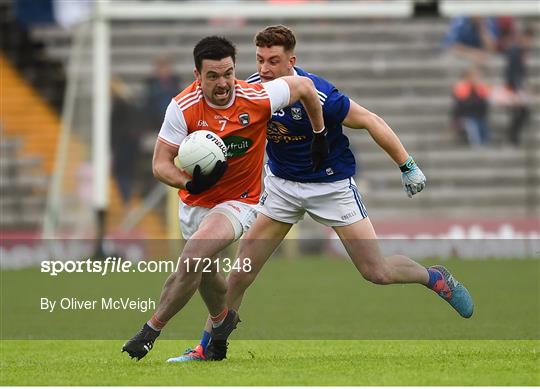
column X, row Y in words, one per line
column 412, row 178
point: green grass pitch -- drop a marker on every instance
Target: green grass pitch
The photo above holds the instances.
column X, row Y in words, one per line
column 274, row 362
column 306, row 322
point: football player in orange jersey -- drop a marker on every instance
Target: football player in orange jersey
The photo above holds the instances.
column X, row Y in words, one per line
column 329, row 194
column 216, row 209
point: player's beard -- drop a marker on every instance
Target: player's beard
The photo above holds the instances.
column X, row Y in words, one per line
column 221, row 96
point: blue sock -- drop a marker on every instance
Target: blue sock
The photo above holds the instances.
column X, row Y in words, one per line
column 434, row 276
column 205, row 340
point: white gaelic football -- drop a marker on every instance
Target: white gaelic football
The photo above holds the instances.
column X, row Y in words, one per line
column 203, row 148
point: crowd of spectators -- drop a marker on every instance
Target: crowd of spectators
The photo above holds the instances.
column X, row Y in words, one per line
column 476, row 40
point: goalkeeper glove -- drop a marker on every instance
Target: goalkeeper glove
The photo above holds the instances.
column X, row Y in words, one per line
column 201, row 182
column 319, row 149
column 412, row 178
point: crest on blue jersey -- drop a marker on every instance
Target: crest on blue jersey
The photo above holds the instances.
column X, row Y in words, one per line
column 296, row 113
column 243, row 118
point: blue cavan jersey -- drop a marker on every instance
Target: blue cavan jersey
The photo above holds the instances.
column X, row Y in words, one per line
column 289, row 136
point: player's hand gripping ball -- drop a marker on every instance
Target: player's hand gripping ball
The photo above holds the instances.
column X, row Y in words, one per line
column 412, row 178
column 202, row 155
column 201, row 182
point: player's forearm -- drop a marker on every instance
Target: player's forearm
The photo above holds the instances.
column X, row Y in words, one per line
column 163, row 166
column 169, row 174
column 310, row 101
column 386, row 138
column 317, row 123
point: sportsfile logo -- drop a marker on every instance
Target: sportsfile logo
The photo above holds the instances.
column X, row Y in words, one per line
column 113, row 265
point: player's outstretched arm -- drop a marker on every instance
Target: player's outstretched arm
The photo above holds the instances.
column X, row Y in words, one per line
column 164, row 168
column 382, row 134
column 412, row 178
column 302, row 89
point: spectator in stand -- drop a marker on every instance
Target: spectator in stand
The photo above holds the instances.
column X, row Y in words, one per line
column 473, row 38
column 515, row 73
column 471, row 106
column 125, row 131
column 506, row 28
column 161, row 87
column 32, row 12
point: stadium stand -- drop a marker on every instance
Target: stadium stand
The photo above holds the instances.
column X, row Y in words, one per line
column 394, row 68
column 32, row 91
column 29, row 141
column 23, row 193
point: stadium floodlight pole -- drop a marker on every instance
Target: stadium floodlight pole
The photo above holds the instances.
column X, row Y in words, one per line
column 54, row 205
column 101, row 118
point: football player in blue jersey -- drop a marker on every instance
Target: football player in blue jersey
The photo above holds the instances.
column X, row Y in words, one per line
column 313, row 173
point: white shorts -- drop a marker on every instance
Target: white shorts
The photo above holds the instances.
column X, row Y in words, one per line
column 241, row 216
column 333, row 204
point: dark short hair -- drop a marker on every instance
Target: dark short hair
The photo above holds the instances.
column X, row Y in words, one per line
column 214, row 48
column 276, row 36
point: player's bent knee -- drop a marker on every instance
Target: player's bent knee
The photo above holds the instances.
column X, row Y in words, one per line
column 240, row 280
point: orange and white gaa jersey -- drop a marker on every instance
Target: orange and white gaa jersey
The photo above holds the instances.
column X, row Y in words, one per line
column 242, row 126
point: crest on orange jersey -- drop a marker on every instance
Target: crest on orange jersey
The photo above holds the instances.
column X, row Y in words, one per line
column 243, row 118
